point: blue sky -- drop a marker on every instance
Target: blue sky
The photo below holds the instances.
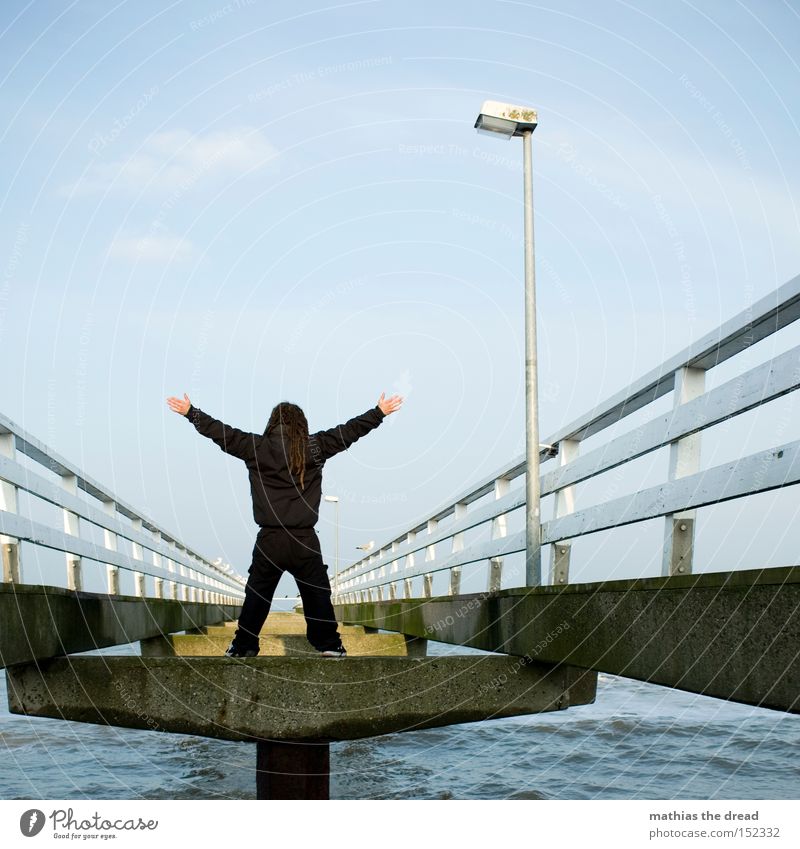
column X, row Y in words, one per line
column 253, row 202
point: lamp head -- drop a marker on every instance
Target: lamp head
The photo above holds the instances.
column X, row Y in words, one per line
column 506, row 119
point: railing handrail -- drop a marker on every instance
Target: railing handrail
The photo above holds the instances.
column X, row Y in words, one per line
column 751, row 325
column 191, row 570
column 31, row 447
column 38, row 486
column 765, row 317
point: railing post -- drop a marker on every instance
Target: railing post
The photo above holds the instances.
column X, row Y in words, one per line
column 158, row 583
column 430, row 550
column 393, row 592
column 184, row 572
column 502, row 487
column 138, row 554
column 459, row 511
column 8, row 501
column 110, row 542
column 430, row 555
column 564, row 504
column 684, row 459
column 408, row 562
column 72, row 527
column 173, row 587
column 408, row 587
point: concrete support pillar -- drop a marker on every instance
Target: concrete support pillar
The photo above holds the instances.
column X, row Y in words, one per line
column 684, row 459
column 9, row 546
column 159, row 646
column 287, row 770
column 564, row 505
column 72, row 527
column 416, row 646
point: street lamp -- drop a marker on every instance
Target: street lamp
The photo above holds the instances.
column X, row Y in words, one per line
column 334, row 499
column 507, row 120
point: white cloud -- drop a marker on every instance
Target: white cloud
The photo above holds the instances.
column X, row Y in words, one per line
column 177, row 159
column 158, row 249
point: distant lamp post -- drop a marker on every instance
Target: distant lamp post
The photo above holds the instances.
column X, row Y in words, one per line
column 507, row 120
column 334, row 499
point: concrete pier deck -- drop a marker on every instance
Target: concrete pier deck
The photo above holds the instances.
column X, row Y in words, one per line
column 292, row 698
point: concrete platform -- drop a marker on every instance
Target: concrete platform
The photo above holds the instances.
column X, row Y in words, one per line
column 285, row 698
column 279, row 623
column 288, row 645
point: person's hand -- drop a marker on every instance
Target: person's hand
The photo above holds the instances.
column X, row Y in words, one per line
column 179, row 406
column 389, row 405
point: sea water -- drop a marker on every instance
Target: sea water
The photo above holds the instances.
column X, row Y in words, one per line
column 637, row 741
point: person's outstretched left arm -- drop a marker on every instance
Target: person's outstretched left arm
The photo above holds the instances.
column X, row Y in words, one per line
column 327, row 443
column 231, row 440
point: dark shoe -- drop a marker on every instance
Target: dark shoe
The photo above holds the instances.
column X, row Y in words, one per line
column 235, row 651
column 340, row 652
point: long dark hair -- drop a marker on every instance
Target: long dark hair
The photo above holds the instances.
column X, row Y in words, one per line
column 295, row 427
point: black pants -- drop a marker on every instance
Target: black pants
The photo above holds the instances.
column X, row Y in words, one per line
column 297, row 551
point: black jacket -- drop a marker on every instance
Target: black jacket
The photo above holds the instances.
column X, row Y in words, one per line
column 278, row 500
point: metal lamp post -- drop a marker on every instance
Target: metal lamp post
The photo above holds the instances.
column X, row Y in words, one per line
column 507, row 120
column 334, row 499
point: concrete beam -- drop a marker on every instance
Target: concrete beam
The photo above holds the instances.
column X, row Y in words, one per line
column 284, row 698
column 732, row 635
column 38, row 622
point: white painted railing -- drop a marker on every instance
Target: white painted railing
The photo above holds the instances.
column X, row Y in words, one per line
column 177, row 571
column 417, row 552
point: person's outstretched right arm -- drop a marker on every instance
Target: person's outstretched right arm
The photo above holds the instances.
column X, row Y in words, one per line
column 327, row 443
column 231, row 440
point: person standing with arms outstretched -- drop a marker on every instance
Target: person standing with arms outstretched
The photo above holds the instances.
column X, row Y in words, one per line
column 285, row 465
